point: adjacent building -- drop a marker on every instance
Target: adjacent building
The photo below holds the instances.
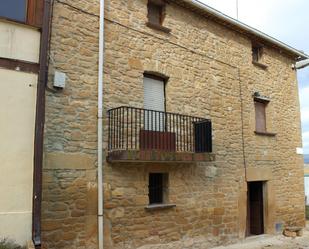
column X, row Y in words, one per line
column 201, row 125
column 20, row 62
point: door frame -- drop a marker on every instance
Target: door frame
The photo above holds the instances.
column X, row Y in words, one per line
column 258, row 174
column 264, row 203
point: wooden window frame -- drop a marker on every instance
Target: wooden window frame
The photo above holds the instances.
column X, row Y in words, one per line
column 260, row 116
column 264, row 132
column 257, row 54
column 160, row 6
column 34, row 14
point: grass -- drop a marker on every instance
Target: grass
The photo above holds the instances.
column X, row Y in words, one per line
column 9, row 244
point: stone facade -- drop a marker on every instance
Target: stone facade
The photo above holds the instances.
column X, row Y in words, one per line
column 211, row 75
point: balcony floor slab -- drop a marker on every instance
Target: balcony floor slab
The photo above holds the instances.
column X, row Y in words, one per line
column 117, row 156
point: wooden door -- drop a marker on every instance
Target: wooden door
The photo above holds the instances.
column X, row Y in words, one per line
column 255, row 208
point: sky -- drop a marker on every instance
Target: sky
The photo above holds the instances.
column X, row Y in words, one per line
column 285, row 20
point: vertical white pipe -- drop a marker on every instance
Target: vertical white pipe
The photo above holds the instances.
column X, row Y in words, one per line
column 237, row 9
column 100, row 127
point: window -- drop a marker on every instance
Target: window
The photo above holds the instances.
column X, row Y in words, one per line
column 14, row 9
column 260, row 103
column 156, row 14
column 257, row 52
column 158, row 185
column 25, row 11
column 154, row 99
column 154, row 93
column 260, row 116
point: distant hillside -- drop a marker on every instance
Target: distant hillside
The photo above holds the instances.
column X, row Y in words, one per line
column 306, row 158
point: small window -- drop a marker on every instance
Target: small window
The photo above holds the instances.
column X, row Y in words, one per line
column 260, row 116
column 156, row 12
column 14, row 9
column 158, row 184
column 257, row 52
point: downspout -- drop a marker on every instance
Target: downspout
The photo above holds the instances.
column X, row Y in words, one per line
column 301, row 64
column 39, row 127
column 100, row 127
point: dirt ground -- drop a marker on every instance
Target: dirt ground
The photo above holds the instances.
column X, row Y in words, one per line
column 272, row 242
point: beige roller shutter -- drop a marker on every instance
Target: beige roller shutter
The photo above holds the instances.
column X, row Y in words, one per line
column 154, row 100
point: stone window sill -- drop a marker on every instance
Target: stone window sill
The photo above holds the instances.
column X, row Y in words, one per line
column 258, row 64
column 152, row 207
column 265, row 133
column 158, row 27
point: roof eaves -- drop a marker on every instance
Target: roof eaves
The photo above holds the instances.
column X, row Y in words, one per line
column 244, row 27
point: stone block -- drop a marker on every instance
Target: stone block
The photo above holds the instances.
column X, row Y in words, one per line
column 288, row 233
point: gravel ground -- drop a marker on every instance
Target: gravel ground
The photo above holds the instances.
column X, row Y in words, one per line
column 254, row 242
column 272, row 242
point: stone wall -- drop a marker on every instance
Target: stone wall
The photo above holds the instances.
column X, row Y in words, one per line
column 210, row 75
column 69, row 206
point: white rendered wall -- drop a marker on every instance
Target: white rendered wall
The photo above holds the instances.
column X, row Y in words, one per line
column 19, row 42
column 17, row 119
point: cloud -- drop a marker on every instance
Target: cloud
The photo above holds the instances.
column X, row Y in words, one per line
column 304, row 96
column 305, row 117
column 303, row 77
column 306, row 142
column 285, row 20
column 304, row 103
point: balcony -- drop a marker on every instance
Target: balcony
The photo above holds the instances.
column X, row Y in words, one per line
column 140, row 135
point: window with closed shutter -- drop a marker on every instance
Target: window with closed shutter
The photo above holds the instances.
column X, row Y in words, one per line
column 260, row 116
column 154, row 100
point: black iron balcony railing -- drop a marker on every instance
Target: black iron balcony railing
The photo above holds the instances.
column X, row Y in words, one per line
column 141, row 129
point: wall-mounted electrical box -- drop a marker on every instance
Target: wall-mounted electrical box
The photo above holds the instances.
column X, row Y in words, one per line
column 59, row 79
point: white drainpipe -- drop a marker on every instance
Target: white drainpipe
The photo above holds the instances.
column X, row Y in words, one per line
column 100, row 127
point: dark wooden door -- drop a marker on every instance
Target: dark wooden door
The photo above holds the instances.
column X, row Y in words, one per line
column 202, row 136
column 255, row 208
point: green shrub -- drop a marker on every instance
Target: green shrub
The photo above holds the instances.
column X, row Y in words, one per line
column 9, row 244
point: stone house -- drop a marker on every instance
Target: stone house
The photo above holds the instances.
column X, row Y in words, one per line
column 201, row 123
